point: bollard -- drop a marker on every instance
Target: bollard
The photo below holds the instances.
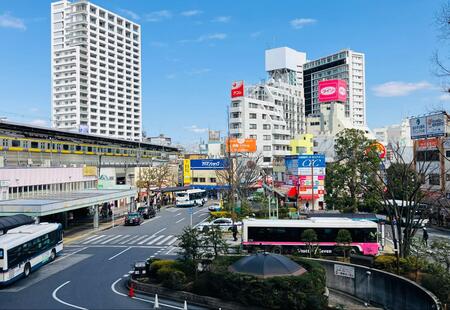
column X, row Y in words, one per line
column 156, row 304
column 185, row 305
column 131, row 291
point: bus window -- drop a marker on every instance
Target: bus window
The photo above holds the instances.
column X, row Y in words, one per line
column 65, row 147
column 15, row 143
column 78, row 147
column 34, row 145
column 89, row 148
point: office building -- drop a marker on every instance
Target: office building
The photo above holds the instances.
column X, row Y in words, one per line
column 345, row 65
column 272, row 112
column 96, row 71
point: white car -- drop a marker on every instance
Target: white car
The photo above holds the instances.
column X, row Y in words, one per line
column 214, row 208
column 225, row 224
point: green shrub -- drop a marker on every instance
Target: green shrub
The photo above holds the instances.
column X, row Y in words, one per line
column 217, row 214
column 438, row 284
column 171, row 278
column 389, row 263
column 161, row 263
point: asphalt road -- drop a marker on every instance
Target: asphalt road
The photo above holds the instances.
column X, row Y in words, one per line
column 90, row 274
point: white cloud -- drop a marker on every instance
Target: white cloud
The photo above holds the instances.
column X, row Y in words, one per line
column 191, row 13
column 222, row 19
column 255, row 34
column 299, row 23
column 131, row 14
column 8, row 21
column 196, row 129
column 399, row 88
column 208, row 37
column 199, row 71
column 444, row 97
column 39, row 122
column 171, row 76
column 158, row 16
column 158, row 44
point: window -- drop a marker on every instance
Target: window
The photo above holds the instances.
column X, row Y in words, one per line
column 428, row 155
column 434, row 179
column 267, row 137
column 267, row 148
column 202, row 180
column 194, row 179
column 266, row 159
column 15, row 143
column 266, row 126
column 213, row 180
column 252, row 115
column 34, row 145
column 252, row 126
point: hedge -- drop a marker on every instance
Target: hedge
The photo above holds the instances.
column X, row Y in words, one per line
column 287, row 292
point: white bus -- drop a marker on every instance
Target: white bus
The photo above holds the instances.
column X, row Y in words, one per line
column 284, row 236
column 191, row 197
column 28, row 247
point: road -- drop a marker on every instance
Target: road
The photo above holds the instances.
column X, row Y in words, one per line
column 90, row 274
column 433, row 234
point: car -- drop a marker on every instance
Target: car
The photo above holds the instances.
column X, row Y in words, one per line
column 225, row 224
column 133, row 218
column 214, row 208
column 146, row 212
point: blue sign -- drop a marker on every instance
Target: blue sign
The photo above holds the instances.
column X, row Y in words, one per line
column 191, row 210
column 208, row 164
column 317, row 161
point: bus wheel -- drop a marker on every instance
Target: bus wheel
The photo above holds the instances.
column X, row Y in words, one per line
column 27, row 270
column 277, row 250
column 52, row 255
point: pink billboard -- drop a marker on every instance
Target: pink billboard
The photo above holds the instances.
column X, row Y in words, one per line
column 332, row 90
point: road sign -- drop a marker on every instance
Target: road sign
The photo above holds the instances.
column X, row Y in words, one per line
column 191, row 210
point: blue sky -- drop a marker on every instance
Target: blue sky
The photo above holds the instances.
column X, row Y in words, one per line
column 193, row 50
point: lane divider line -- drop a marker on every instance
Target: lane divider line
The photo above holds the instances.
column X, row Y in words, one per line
column 63, row 302
column 112, row 257
column 180, row 220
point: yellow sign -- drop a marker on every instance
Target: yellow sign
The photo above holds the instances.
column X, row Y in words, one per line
column 89, row 171
column 187, row 172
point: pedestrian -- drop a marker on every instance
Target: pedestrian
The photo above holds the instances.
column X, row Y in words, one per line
column 425, row 236
column 159, row 207
column 235, row 231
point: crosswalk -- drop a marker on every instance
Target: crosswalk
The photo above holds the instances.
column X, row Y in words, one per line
column 133, row 240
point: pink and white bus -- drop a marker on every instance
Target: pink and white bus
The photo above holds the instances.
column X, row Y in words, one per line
column 284, row 236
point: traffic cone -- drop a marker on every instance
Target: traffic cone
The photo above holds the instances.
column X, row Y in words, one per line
column 185, row 305
column 156, row 305
column 131, row 291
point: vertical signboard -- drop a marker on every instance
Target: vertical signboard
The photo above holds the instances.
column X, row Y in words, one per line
column 237, row 89
column 186, row 172
column 332, row 90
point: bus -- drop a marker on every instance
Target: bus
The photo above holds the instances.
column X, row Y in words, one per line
column 191, row 197
column 28, row 247
column 284, row 236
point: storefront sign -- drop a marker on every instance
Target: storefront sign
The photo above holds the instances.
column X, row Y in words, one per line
column 425, row 144
column 186, row 172
column 208, row 164
column 332, row 90
column 237, row 89
column 434, row 125
column 234, row 145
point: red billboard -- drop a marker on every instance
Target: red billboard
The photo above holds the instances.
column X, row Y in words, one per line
column 237, row 89
column 332, row 90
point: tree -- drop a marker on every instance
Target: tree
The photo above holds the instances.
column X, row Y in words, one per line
column 343, row 240
column 158, row 176
column 214, row 239
column 419, row 252
column 442, row 68
column 309, row 236
column 191, row 245
column 440, row 251
column 349, row 177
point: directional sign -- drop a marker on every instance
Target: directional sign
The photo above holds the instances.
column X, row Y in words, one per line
column 191, row 210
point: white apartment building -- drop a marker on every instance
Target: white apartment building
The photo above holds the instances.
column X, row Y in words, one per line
column 396, row 138
column 345, row 65
column 272, row 112
column 96, row 71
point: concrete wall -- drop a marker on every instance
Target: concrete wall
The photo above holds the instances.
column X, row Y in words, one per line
column 378, row 287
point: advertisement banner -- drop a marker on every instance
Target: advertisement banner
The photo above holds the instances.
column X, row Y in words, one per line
column 237, row 89
column 234, row 145
column 425, row 144
column 316, row 161
column 436, row 125
column 208, row 164
column 214, row 135
column 332, row 90
column 89, row 171
column 187, row 172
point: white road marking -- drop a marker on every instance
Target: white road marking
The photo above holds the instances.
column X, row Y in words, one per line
column 68, row 255
column 180, row 220
column 146, row 239
column 202, row 214
column 199, row 211
column 94, row 239
column 168, row 252
column 164, row 240
column 150, row 220
column 172, row 241
column 126, row 240
column 63, row 302
column 200, row 222
column 136, row 240
column 112, row 257
column 178, row 214
column 161, row 230
column 125, row 275
column 110, row 239
column 156, row 239
column 124, row 237
column 113, row 288
column 93, row 236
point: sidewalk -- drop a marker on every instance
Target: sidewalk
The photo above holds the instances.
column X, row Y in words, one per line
column 80, row 232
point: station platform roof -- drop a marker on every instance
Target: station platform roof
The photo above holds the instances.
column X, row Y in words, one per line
column 61, row 202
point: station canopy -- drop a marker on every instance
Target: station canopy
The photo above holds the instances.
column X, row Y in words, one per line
column 10, row 222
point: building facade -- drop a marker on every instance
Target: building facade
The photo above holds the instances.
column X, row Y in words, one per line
column 345, row 65
column 96, row 71
column 272, row 112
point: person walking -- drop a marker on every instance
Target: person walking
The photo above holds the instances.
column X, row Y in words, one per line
column 425, row 236
column 235, row 231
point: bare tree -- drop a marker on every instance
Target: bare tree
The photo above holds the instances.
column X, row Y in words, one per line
column 441, row 66
column 158, row 177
